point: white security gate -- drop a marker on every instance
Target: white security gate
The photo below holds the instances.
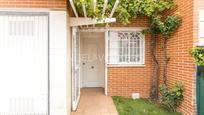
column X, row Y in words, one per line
column 23, row 64
column 75, row 68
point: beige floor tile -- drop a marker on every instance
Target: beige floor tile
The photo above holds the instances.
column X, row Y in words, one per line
column 94, row 102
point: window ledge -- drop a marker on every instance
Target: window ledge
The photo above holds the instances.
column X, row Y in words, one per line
column 126, row 65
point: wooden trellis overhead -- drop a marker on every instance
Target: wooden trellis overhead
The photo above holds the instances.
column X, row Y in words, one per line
column 80, row 21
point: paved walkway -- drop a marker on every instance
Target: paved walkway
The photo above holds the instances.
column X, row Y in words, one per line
column 94, row 102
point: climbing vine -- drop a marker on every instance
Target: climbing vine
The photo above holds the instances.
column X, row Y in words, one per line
column 166, row 28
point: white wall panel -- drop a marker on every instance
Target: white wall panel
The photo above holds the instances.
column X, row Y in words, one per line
column 58, row 64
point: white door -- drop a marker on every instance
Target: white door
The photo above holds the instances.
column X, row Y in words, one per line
column 75, row 68
column 93, row 62
column 91, row 78
column 23, row 64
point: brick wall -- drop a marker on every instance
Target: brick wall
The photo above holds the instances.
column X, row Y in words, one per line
column 181, row 67
column 138, row 22
column 52, row 4
column 123, row 81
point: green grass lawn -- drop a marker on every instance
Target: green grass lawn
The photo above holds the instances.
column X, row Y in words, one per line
column 127, row 106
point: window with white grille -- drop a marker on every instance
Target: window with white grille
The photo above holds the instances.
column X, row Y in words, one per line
column 126, row 47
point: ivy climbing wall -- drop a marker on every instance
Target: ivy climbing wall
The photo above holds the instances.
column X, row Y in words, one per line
column 181, row 67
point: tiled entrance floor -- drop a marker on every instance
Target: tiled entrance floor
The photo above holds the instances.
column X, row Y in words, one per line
column 94, row 102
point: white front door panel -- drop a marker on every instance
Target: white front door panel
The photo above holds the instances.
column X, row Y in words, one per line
column 93, row 60
column 91, row 77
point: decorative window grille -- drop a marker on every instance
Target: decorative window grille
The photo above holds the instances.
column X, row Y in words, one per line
column 126, row 47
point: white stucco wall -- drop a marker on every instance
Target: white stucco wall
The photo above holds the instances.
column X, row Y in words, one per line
column 69, row 65
column 60, row 99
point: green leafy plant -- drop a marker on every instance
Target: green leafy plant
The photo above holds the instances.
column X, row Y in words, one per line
column 126, row 10
column 198, row 55
column 166, row 28
column 172, row 97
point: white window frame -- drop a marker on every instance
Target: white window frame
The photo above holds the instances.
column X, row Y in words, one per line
column 110, row 64
column 200, row 30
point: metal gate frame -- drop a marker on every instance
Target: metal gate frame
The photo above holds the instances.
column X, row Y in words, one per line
column 198, row 75
column 75, row 100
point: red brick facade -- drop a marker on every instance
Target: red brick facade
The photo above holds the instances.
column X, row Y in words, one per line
column 124, row 81
column 181, row 67
column 51, row 4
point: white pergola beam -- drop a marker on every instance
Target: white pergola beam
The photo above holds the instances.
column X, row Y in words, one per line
column 94, row 6
column 104, row 6
column 73, row 7
column 89, row 21
column 114, row 8
column 84, row 10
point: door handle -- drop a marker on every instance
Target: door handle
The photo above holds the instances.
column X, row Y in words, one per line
column 92, row 67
